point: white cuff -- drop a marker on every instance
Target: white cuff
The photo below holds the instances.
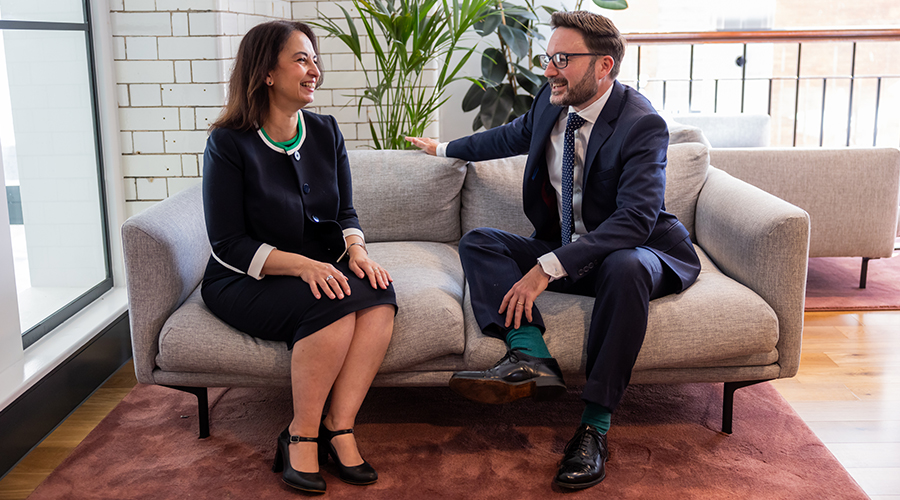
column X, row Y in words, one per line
column 350, row 231
column 552, row 266
column 441, row 150
column 259, row 260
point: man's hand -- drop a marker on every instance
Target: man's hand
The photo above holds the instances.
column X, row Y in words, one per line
column 521, row 296
column 425, row 144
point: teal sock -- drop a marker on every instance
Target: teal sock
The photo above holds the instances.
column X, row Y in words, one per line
column 529, row 340
column 597, row 416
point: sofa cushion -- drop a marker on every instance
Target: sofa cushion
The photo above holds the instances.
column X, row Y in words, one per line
column 715, row 321
column 492, row 196
column 688, row 165
column 428, row 280
column 407, row 195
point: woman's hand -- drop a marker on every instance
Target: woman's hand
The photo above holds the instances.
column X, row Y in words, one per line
column 363, row 266
column 320, row 275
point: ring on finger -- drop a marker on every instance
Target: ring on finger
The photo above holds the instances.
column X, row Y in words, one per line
column 329, row 277
column 520, row 303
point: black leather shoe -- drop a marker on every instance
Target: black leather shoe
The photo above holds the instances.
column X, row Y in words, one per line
column 584, row 462
column 361, row 474
column 516, row 376
column 310, row 482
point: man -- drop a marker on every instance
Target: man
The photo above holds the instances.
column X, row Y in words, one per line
column 593, row 188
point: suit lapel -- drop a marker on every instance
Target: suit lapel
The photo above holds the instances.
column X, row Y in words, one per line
column 603, row 127
column 548, row 115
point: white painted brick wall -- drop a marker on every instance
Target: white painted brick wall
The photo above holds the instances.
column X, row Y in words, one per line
column 173, row 59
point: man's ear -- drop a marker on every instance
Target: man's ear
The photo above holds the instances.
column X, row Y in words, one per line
column 606, row 64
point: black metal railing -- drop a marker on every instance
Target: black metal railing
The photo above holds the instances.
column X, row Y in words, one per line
column 780, row 81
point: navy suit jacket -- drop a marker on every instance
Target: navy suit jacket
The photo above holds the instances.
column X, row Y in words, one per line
column 624, row 182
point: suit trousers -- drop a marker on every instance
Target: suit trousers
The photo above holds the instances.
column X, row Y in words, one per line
column 623, row 285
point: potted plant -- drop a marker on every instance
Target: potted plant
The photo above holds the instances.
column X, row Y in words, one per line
column 406, row 36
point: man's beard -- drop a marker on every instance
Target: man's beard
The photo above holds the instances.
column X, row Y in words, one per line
column 583, row 91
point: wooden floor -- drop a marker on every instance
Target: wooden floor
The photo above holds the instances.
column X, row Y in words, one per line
column 846, row 391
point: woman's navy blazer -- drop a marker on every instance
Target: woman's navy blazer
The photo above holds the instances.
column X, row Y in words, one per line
column 259, row 197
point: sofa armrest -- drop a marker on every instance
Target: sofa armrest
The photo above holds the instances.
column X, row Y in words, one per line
column 166, row 250
column 763, row 243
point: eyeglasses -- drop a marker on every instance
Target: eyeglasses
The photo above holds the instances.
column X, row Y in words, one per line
column 560, row 59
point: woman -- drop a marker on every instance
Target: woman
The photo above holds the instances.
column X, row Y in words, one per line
column 289, row 261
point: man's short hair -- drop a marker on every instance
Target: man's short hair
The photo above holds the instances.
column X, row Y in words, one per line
column 600, row 34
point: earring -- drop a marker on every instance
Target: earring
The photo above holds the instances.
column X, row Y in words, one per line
column 269, row 83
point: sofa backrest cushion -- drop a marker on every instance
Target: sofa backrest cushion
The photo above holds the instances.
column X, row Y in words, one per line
column 407, row 195
column 492, row 194
column 685, row 174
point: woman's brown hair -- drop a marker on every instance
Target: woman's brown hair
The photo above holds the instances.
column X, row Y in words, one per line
column 247, row 105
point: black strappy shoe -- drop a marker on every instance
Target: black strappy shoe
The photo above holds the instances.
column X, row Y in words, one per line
column 361, row 474
column 310, row 482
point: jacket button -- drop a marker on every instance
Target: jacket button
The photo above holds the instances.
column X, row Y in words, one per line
column 297, row 155
column 306, row 188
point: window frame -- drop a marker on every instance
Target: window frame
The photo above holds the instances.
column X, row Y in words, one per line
column 43, row 327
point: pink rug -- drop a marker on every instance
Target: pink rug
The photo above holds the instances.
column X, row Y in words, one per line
column 429, row 443
column 832, row 284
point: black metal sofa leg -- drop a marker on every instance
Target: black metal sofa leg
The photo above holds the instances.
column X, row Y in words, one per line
column 202, row 406
column 864, row 271
column 728, row 401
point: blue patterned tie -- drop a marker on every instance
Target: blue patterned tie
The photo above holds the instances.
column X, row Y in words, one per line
column 568, row 174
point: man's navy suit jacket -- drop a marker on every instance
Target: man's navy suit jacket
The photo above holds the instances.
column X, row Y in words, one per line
column 624, row 182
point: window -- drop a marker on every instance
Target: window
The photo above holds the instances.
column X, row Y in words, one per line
column 51, row 160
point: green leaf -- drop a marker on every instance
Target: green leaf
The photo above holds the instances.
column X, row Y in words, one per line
column 611, row 4
column 525, row 72
column 496, row 105
column 522, row 104
column 374, row 135
column 527, row 85
column 489, row 25
column 550, row 10
column 493, row 66
column 516, row 39
column 473, row 97
column 522, row 12
column 476, row 123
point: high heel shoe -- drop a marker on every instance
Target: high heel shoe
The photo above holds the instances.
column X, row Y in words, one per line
column 310, row 482
column 358, row 474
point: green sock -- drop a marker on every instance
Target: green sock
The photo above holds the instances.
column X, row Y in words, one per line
column 597, row 416
column 529, row 340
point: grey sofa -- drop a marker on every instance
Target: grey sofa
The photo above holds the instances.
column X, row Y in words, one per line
column 851, row 194
column 740, row 323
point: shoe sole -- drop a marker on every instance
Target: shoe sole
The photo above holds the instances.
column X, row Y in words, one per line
column 499, row 392
column 578, row 486
column 307, row 490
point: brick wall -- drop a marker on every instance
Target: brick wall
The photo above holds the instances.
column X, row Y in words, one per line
column 172, row 62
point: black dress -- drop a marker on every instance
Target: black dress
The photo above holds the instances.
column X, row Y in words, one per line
column 256, row 198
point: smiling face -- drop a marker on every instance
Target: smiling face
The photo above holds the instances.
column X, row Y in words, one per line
column 584, row 79
column 293, row 81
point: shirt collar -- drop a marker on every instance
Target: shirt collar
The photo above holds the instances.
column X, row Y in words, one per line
column 592, row 112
